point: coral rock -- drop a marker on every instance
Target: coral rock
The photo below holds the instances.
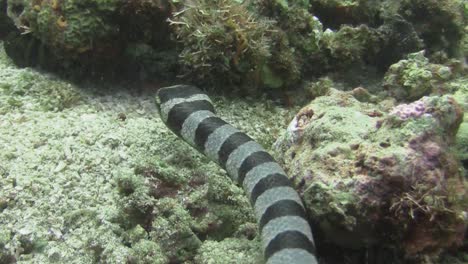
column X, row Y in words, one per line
column 390, row 180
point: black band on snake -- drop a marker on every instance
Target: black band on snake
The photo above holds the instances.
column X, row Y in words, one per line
column 285, row 232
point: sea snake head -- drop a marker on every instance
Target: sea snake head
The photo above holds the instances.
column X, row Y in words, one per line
column 285, row 232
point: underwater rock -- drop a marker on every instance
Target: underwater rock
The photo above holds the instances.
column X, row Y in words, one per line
column 461, row 95
column 440, row 23
column 335, row 13
column 465, row 37
column 223, row 42
column 399, row 38
column 68, row 26
column 247, row 44
column 350, row 45
column 399, row 27
column 250, row 45
column 375, row 175
column 28, row 51
column 364, row 45
column 6, row 25
column 414, row 77
column 93, row 37
column 462, row 143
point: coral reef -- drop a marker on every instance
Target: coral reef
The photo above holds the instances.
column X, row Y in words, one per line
column 89, row 174
column 249, row 45
column 370, row 178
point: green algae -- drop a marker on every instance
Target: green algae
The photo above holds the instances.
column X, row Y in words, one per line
column 410, row 79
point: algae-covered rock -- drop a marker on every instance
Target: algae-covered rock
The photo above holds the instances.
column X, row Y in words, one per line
column 147, row 252
column 373, row 175
column 350, row 45
column 465, row 43
column 249, row 45
column 225, row 42
column 461, row 95
column 67, row 25
column 222, row 41
column 414, row 77
column 440, row 23
column 462, row 142
column 301, row 31
column 92, row 37
column 399, row 27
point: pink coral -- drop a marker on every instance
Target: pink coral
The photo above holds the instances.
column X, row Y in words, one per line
column 405, row 111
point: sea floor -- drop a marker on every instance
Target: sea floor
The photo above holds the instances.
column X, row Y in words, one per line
column 64, row 147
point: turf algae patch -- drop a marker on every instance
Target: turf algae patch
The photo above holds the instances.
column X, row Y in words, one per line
column 230, row 251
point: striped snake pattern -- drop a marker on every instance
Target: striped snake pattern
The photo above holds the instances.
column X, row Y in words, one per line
column 286, row 235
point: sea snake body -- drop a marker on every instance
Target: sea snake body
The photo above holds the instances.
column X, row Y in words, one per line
column 286, row 235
